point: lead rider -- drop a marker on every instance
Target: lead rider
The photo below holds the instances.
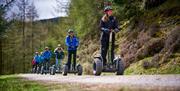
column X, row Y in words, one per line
column 108, row 24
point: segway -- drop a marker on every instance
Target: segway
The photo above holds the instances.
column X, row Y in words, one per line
column 78, row 70
column 44, row 68
column 38, row 69
column 53, row 69
column 116, row 66
column 33, row 70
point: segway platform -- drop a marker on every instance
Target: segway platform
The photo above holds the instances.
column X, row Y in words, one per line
column 78, row 70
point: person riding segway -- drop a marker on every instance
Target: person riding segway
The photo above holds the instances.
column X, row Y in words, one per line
column 59, row 55
column 46, row 56
column 108, row 27
column 72, row 42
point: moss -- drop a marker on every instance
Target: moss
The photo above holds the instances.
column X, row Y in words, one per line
column 137, row 68
column 172, row 67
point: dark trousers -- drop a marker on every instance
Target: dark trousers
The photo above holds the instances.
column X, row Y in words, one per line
column 47, row 63
column 70, row 54
column 105, row 46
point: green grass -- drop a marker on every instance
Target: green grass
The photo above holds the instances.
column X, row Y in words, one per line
column 14, row 83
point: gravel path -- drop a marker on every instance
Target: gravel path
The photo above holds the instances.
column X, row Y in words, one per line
column 166, row 82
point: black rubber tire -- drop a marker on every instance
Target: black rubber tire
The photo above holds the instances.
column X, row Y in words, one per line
column 37, row 70
column 120, row 67
column 52, row 70
column 97, row 67
column 65, row 70
column 34, row 70
column 79, row 69
column 42, row 70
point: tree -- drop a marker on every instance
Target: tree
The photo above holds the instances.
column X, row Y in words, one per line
column 4, row 4
column 27, row 13
column 31, row 16
column 62, row 7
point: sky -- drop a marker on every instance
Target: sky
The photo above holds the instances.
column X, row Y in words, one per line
column 47, row 9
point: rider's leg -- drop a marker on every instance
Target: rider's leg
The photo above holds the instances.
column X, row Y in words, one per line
column 104, row 48
column 69, row 59
column 48, row 63
column 112, row 47
column 57, row 63
column 60, row 63
column 74, row 60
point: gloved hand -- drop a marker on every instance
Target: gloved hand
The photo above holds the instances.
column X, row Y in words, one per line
column 116, row 30
column 106, row 30
column 72, row 47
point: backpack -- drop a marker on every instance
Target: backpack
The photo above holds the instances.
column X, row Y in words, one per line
column 33, row 62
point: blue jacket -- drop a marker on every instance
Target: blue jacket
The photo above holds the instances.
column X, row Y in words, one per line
column 46, row 54
column 37, row 59
column 111, row 24
column 72, row 43
column 42, row 58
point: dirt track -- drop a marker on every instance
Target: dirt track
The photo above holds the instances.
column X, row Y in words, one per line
column 150, row 82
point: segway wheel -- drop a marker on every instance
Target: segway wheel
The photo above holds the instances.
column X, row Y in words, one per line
column 79, row 69
column 65, row 70
column 97, row 67
column 34, row 70
column 120, row 67
column 37, row 70
column 52, row 70
column 42, row 70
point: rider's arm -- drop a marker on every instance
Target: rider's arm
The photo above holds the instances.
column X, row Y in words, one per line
column 102, row 27
column 77, row 42
column 67, row 42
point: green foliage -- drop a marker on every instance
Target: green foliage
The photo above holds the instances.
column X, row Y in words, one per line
column 84, row 17
column 2, row 22
column 128, row 9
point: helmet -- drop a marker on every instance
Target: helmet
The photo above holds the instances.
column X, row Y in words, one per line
column 59, row 45
column 46, row 47
column 107, row 8
column 70, row 31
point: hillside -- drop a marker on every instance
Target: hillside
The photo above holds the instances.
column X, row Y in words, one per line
column 149, row 39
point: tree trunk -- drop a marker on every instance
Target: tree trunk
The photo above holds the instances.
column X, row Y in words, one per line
column 24, row 56
column 1, row 59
